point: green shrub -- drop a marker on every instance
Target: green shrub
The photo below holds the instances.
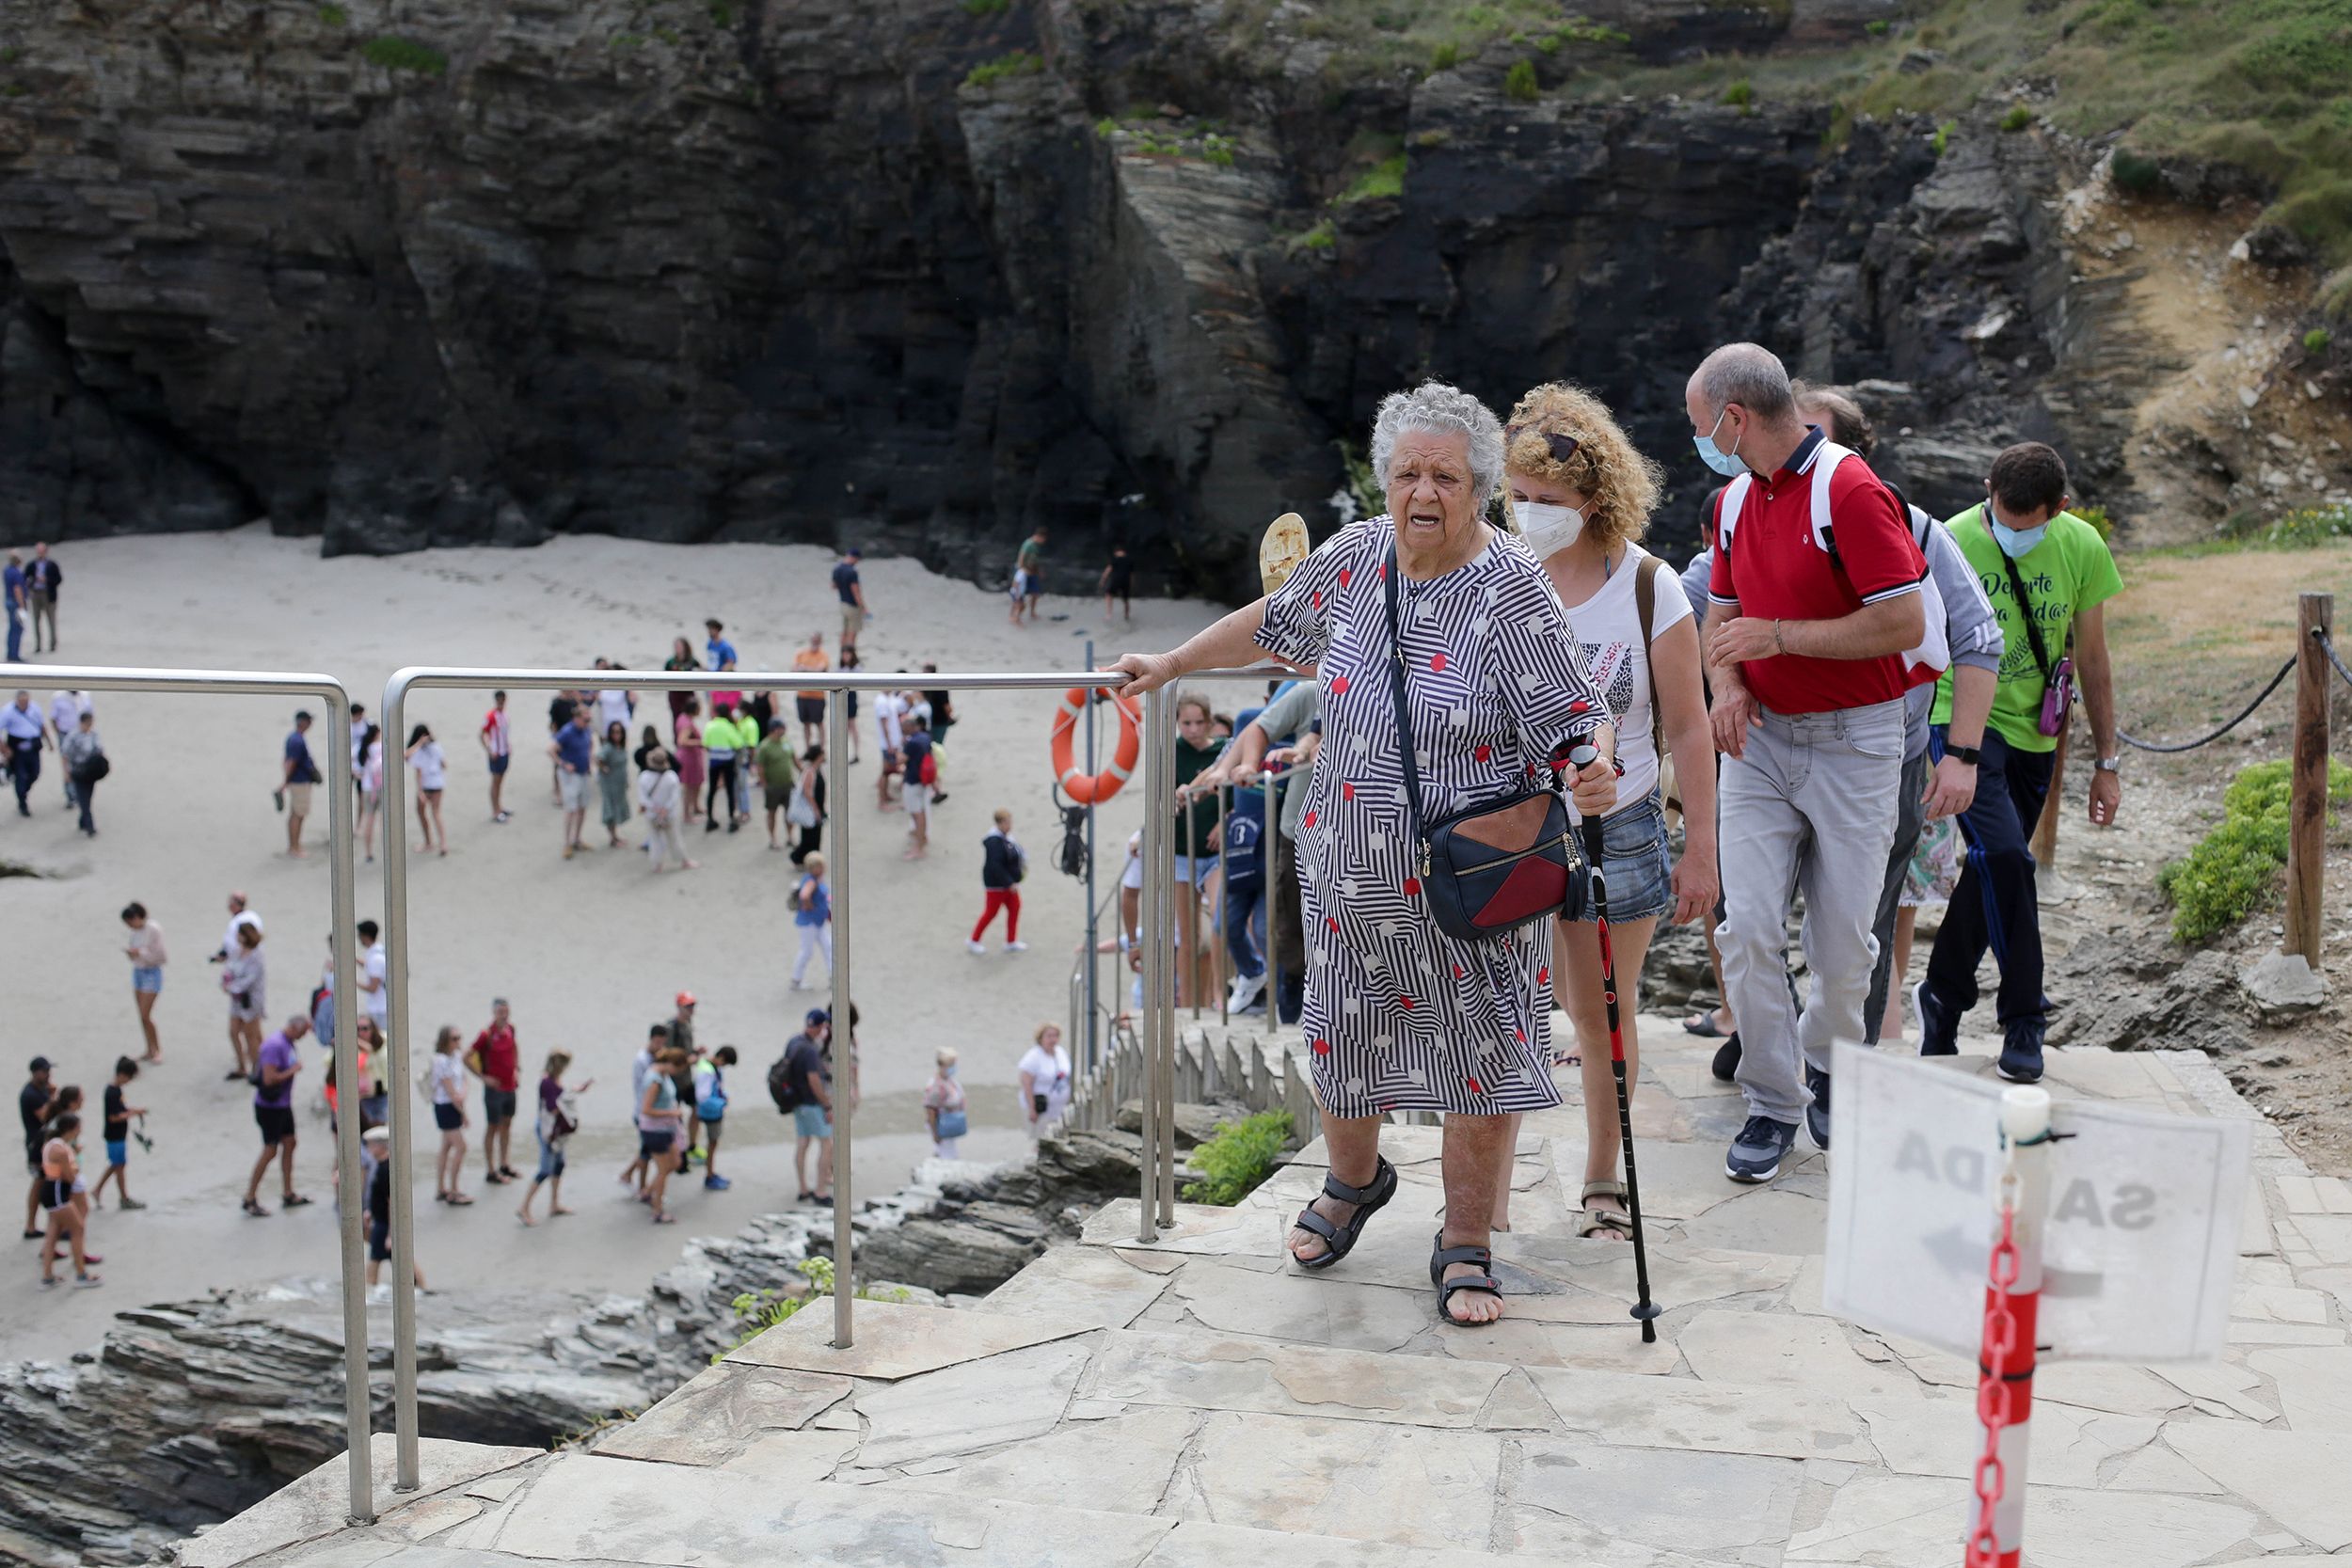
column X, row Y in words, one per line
column 1242, row 1154
column 757, row 1311
column 1519, row 82
column 988, row 72
column 1385, row 179
column 2236, row 867
column 2018, row 117
column 1445, row 56
column 399, row 53
column 2135, row 172
column 2097, row 517
column 1943, row 138
column 1876, row 27
column 1371, row 497
column 986, row 7
column 1107, row 128
column 721, row 14
column 2307, row 527
column 2318, row 339
column 1741, row 94
column 1322, row 239
column 334, row 16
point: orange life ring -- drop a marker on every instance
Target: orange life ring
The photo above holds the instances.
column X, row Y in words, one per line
column 1093, row 790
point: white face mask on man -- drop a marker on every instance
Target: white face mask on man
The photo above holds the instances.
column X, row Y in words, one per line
column 1546, row 528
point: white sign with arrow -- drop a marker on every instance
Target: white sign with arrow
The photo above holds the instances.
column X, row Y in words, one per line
column 2140, row 1248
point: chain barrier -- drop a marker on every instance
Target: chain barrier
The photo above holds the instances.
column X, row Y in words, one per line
column 2329, row 648
column 1994, row 1409
column 2244, row 714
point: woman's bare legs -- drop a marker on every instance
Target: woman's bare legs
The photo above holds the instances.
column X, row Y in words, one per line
column 1355, row 1146
column 147, row 1025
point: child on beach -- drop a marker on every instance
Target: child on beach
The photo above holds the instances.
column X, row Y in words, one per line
column 116, row 1129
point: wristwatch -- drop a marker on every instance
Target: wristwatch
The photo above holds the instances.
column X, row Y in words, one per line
column 2110, row 765
column 1969, row 755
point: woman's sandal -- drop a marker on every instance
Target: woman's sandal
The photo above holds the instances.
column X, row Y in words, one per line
column 1340, row 1240
column 1702, row 1024
column 1597, row 1219
column 1444, row 1258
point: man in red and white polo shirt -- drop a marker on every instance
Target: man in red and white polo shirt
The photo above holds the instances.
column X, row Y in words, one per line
column 1814, row 601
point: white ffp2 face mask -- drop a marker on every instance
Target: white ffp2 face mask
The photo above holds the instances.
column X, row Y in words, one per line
column 1547, row 529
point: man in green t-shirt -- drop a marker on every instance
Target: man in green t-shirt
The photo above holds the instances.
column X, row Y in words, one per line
column 2046, row 573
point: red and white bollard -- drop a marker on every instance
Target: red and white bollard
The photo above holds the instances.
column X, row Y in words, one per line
column 2012, row 1300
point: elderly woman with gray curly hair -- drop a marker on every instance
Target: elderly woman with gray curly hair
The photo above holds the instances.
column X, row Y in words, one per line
column 1450, row 678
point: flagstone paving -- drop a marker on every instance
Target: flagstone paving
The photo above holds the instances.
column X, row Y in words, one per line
column 1196, row 1400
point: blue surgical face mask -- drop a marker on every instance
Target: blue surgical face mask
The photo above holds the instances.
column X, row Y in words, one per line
column 2015, row 542
column 1724, row 463
column 947, row 1072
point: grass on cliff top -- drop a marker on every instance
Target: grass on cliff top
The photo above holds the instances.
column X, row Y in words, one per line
column 1380, row 37
column 2260, row 85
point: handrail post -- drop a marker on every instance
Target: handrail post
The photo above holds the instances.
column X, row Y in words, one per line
column 351, row 1091
column 406, row 1461
column 2306, row 807
column 1093, row 1043
column 1220, row 939
column 1163, row 1068
column 1157, row 795
column 844, row 1030
column 342, row 896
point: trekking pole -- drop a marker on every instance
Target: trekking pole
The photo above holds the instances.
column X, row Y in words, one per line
column 1644, row 1310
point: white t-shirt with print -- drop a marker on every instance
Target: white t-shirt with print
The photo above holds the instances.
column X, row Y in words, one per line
column 432, row 768
column 1617, row 654
column 379, row 1001
column 448, row 1079
column 889, row 709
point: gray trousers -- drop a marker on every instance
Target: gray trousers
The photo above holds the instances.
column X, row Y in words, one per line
column 1910, row 819
column 1811, row 805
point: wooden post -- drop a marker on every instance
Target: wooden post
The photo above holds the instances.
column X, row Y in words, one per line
column 2306, row 807
column 2045, row 828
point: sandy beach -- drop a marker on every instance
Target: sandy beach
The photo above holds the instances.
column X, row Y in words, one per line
column 589, row 952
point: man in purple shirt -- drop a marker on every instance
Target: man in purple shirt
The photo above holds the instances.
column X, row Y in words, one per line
column 273, row 1111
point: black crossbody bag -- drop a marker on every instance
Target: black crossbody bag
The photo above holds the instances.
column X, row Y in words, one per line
column 1501, row 864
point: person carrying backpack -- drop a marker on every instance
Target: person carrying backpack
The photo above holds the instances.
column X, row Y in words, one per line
column 800, row 1085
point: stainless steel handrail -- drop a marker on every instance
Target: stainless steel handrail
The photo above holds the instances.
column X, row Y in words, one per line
column 1159, row 1162
column 341, row 898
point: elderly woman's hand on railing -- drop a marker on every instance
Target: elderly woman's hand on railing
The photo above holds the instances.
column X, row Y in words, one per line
column 1145, row 671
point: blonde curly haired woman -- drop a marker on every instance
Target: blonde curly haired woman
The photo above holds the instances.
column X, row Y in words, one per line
column 1582, row 496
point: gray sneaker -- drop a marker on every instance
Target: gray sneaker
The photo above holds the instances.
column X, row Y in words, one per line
column 1817, row 1114
column 1757, row 1151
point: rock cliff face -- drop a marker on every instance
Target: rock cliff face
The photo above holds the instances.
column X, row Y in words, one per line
column 925, row 272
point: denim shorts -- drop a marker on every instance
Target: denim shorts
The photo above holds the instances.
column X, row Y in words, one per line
column 1194, row 868
column 118, row 1151
column 149, row 980
column 550, row 1160
column 812, row 1121
column 1638, row 867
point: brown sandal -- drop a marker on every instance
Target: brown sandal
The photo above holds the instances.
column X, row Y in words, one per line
column 1596, row 1219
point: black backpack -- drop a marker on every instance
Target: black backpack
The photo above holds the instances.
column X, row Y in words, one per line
column 781, row 1087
